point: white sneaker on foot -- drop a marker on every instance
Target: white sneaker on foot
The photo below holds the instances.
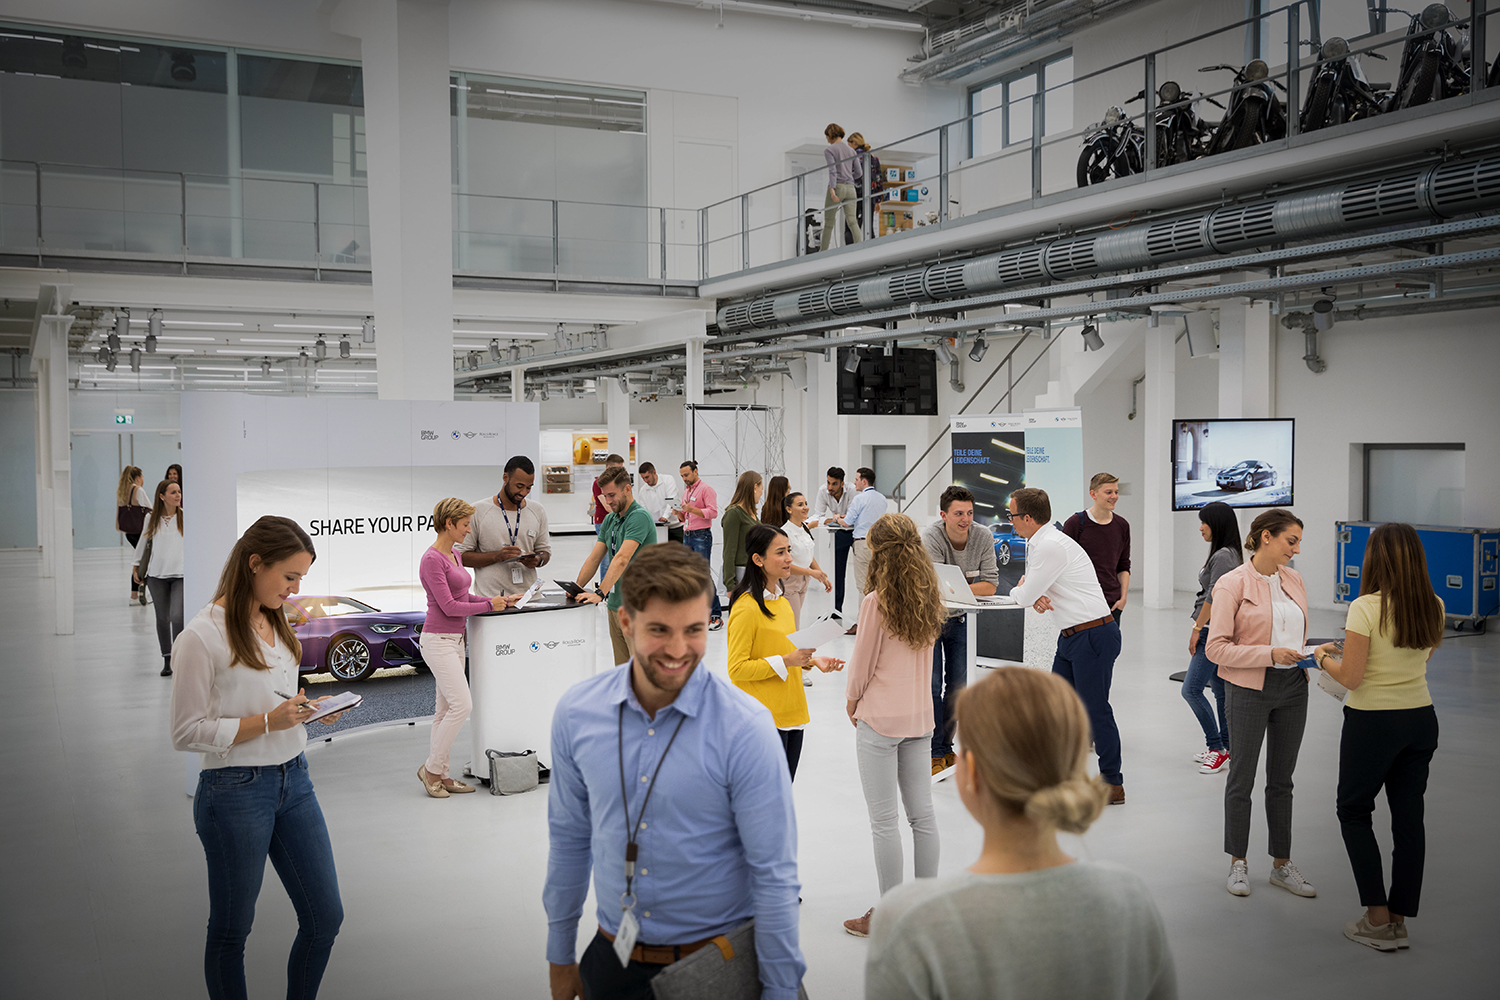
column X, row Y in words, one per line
column 1201, row 756
column 1239, row 879
column 1290, row 879
column 1381, row 938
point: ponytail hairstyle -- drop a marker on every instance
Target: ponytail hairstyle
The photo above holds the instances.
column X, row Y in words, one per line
column 1224, row 528
column 786, row 512
column 1029, row 734
column 758, row 542
column 159, row 509
column 904, row 582
column 125, row 492
column 1396, row 569
column 273, row 539
column 773, row 511
column 1276, row 520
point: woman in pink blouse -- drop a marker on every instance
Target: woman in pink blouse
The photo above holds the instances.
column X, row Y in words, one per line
column 890, row 699
column 442, row 642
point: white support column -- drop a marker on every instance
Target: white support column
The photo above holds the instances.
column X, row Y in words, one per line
column 821, row 411
column 404, row 52
column 616, row 416
column 49, row 362
column 1161, row 401
column 1247, row 350
column 693, row 386
column 518, row 385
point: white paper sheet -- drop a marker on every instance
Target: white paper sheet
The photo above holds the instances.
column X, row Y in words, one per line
column 817, row 634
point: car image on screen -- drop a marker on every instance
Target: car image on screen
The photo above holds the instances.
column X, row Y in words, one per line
column 1247, row 475
column 1009, row 546
column 351, row 640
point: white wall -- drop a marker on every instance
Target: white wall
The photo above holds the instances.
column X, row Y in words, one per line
column 18, row 468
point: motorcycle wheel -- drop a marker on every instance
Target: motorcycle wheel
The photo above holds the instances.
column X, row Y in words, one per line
column 1094, row 164
column 1418, row 89
column 1247, row 133
column 1317, row 110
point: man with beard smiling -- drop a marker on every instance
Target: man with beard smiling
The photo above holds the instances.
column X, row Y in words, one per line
column 626, row 528
column 676, row 865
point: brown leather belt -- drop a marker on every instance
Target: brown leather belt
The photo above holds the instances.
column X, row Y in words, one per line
column 1084, row 626
column 666, row 954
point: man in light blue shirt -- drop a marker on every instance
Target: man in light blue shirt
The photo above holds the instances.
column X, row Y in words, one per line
column 708, row 795
column 865, row 509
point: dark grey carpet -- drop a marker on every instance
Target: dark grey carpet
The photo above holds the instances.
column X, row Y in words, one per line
column 404, row 693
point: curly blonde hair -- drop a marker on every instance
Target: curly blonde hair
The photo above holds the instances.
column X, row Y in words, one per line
column 900, row 568
column 450, row 511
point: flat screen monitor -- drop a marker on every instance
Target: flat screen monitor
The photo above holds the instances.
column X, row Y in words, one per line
column 1244, row 463
column 903, row 384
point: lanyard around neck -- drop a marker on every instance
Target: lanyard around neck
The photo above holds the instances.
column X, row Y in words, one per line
column 631, row 829
column 512, row 533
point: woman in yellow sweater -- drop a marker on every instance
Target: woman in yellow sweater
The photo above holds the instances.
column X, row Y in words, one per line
column 762, row 660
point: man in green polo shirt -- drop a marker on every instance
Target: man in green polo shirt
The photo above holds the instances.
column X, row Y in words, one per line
column 626, row 528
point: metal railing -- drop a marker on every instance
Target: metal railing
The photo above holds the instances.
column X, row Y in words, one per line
column 769, row 224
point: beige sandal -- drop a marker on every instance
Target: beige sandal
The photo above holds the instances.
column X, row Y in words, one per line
column 435, row 787
column 456, row 787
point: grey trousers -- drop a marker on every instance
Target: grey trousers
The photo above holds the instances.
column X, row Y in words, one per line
column 889, row 766
column 1277, row 715
column 166, row 593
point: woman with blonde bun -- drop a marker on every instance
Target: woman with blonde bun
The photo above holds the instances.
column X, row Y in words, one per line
column 1070, row 928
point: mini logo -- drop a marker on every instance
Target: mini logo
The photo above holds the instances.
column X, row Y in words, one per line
column 503, row 649
column 552, row 645
column 536, row 647
column 429, row 435
column 455, row 435
column 468, row 434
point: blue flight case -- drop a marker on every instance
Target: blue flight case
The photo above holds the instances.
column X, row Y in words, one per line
column 1464, row 564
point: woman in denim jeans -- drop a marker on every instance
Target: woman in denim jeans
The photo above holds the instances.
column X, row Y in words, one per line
column 1221, row 530
column 231, row 666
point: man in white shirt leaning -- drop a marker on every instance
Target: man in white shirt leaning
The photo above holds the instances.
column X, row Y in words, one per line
column 831, row 505
column 656, row 492
column 1060, row 578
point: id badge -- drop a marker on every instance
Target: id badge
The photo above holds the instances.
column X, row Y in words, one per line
column 516, row 575
column 625, row 937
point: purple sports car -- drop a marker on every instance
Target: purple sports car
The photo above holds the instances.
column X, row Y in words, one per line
column 352, row 640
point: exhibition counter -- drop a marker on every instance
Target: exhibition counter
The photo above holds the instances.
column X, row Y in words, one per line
column 520, row 663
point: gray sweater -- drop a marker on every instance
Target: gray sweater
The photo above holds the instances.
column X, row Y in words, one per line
column 976, row 558
column 1221, row 562
column 1083, row 930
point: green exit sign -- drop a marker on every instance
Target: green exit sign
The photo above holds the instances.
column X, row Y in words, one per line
column 124, row 418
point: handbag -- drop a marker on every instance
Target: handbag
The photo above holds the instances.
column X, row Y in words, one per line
column 131, row 519
column 145, row 562
column 729, row 971
column 513, row 773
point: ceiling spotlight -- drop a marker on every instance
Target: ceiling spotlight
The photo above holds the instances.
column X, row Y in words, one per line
column 513, row 352
column 109, row 360
column 150, row 343
column 888, row 348
column 976, row 353
column 569, row 391
column 624, row 384
column 669, row 388
column 851, row 361
column 321, row 347
column 1091, row 339
column 153, row 323
column 183, row 68
column 562, row 338
column 343, row 347
column 122, row 328
column 1322, row 311
column 135, row 360
column 367, row 329
column 531, row 395
column 265, row 367
column 473, row 359
column 495, row 350
column 542, row 393
column 943, row 354
column 302, row 356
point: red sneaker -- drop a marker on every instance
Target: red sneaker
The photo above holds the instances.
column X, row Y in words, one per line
column 1215, row 763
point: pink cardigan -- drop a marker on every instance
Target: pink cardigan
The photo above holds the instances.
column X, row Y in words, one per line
column 890, row 682
column 1239, row 626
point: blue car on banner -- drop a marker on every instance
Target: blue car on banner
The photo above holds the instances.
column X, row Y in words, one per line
column 351, row 640
column 1009, row 546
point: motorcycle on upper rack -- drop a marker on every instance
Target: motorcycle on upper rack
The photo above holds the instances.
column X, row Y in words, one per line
column 1255, row 114
column 1339, row 92
column 1433, row 67
column 1116, row 146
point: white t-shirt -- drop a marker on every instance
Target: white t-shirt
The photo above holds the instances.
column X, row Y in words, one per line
column 804, row 546
column 166, row 549
column 1287, row 626
column 657, row 499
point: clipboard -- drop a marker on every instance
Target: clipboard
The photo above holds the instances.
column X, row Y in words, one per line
column 341, row 702
column 817, row 634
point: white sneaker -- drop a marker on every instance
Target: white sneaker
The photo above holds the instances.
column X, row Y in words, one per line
column 1201, row 756
column 1239, row 879
column 1290, row 879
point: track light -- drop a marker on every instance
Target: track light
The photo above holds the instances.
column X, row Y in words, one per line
column 122, row 329
column 473, row 360
column 569, row 391
column 670, row 387
column 514, row 352
column 976, row 353
column 343, row 347
column 153, row 324
column 531, row 395
column 562, row 338
column 943, row 354
column 321, row 347
column 1322, row 311
column 135, row 360
column 367, row 330
column 495, row 350
column 1091, row 339
column 265, row 367
column 624, row 385
column 150, row 343
column 888, row 348
column 542, row 393
column 109, row 360
column 851, row 361
column 302, row 356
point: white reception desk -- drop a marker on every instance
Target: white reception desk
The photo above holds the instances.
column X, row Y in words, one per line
column 520, row 663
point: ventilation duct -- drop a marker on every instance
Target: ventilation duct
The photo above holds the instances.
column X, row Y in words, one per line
column 1443, row 191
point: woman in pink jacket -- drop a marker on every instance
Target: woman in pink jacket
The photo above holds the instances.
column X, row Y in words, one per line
column 1256, row 634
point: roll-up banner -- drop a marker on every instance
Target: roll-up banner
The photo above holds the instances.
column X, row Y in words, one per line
column 994, row 455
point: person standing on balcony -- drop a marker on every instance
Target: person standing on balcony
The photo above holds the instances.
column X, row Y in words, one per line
column 842, row 164
column 877, row 180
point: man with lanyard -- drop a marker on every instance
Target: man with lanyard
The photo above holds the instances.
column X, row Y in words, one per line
column 1060, row 578
column 832, row 504
column 698, row 511
column 507, row 540
column 950, row 541
column 864, row 510
column 626, row 528
column 656, row 495
column 671, row 785
column 1105, row 536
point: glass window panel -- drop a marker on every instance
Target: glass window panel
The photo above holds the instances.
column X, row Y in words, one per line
column 1019, row 95
column 556, row 104
column 302, row 81
column 1345, row 18
column 1058, row 104
column 988, row 129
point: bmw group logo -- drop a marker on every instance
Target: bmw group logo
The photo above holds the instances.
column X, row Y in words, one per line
column 455, row 435
column 536, row 647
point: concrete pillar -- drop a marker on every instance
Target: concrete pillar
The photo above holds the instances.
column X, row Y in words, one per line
column 518, row 385
column 1161, row 400
column 616, row 416
column 49, row 363
column 404, row 52
column 1247, row 352
column 821, row 410
column 693, row 385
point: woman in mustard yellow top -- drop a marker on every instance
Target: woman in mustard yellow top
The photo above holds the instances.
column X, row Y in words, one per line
column 762, row 660
column 1390, row 728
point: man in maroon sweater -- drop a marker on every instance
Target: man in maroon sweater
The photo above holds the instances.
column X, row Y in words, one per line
column 1105, row 536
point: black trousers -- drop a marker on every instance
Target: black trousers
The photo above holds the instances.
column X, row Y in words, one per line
column 843, row 541
column 605, row 979
column 1390, row 749
column 791, row 742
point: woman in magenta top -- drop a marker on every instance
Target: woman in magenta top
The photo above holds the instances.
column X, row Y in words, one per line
column 442, row 642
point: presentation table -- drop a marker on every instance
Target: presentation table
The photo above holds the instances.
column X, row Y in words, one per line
column 520, row 663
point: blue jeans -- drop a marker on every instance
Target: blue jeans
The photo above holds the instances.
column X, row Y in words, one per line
column 950, row 667
column 1201, row 671
column 1086, row 660
column 243, row 815
column 701, row 541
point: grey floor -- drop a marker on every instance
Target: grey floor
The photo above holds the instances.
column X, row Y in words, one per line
column 104, row 892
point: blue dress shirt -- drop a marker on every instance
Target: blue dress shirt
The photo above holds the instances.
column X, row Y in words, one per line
column 718, row 842
column 865, row 510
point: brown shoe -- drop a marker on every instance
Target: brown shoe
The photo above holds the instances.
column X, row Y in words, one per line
column 949, row 759
column 853, row 629
column 937, row 765
column 860, row 926
column 434, row 786
column 1117, row 795
column 456, row 787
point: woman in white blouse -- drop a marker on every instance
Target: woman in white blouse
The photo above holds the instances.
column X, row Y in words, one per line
column 804, row 562
column 161, row 549
column 233, row 663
